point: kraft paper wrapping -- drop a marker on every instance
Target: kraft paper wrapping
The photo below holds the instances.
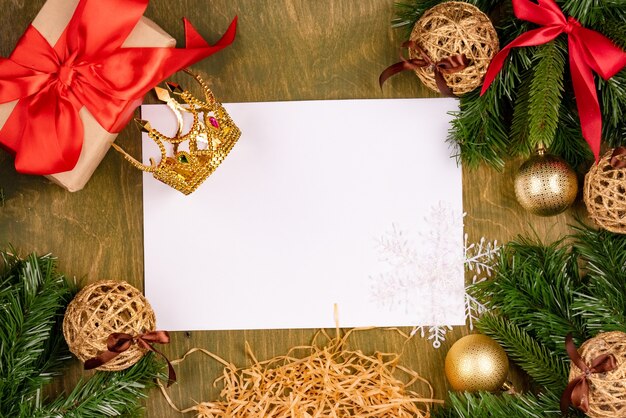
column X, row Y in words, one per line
column 51, row 21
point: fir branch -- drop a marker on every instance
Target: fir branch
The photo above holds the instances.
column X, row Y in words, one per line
column 568, row 141
column 603, row 304
column 534, row 288
column 32, row 300
column 479, row 130
column 520, row 129
column 546, row 92
column 107, row 394
column 543, row 366
column 486, row 404
column 612, row 95
column 591, row 13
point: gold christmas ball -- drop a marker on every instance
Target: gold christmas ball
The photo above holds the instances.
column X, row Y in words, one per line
column 476, row 362
column 546, row 185
column 101, row 309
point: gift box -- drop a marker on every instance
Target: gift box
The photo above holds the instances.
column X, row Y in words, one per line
column 80, row 92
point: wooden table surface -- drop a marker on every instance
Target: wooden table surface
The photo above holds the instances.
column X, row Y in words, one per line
column 285, row 50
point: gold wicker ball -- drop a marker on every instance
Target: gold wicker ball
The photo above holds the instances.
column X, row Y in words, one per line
column 605, row 195
column 453, row 28
column 101, row 309
column 607, row 391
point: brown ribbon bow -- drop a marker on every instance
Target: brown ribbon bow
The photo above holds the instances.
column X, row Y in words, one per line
column 577, row 391
column 617, row 161
column 118, row 342
column 448, row 65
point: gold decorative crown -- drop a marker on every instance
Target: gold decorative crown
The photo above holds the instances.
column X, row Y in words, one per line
column 211, row 137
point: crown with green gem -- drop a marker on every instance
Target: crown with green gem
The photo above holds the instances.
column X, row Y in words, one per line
column 211, row 137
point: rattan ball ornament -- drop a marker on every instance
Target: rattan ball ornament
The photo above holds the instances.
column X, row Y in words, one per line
column 605, row 192
column 545, row 185
column 476, row 362
column 453, row 28
column 103, row 308
column 607, row 391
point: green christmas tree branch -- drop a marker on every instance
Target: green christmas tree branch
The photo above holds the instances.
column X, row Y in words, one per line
column 33, row 298
column 533, row 101
column 542, row 365
column 545, row 93
column 486, row 404
column 534, row 288
column 107, row 394
column 537, row 295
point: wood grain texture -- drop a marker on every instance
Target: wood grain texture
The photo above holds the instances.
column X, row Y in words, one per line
column 285, row 50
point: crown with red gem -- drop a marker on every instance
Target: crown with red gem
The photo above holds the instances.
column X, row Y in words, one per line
column 211, row 137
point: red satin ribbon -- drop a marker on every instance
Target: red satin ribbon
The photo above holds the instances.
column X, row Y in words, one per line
column 577, row 391
column 87, row 67
column 588, row 50
column 119, row 342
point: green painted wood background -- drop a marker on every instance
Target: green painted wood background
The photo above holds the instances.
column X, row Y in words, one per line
column 285, row 50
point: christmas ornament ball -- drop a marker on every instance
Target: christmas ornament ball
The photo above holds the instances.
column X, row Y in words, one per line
column 607, row 391
column 451, row 28
column 545, row 185
column 476, row 362
column 103, row 308
column 604, row 191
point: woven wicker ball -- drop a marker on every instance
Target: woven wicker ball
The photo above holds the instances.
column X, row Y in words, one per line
column 607, row 391
column 103, row 308
column 605, row 195
column 453, row 28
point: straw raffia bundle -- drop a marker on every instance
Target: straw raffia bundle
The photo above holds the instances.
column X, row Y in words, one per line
column 320, row 382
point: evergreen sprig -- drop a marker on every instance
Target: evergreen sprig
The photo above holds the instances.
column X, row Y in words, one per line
column 528, row 353
column 532, row 100
column 106, row 394
column 538, row 294
column 33, row 298
column 486, row 404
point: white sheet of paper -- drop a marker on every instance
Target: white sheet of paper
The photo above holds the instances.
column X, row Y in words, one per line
column 349, row 202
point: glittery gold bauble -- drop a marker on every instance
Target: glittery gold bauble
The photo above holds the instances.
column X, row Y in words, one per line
column 476, row 363
column 607, row 391
column 545, row 185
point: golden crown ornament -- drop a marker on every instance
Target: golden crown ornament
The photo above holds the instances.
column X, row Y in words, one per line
column 211, row 137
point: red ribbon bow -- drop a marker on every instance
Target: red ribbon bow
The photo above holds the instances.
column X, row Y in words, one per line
column 118, row 342
column 577, row 391
column 87, row 67
column 588, row 50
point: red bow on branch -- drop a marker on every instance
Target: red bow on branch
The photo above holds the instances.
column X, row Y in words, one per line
column 119, row 342
column 588, row 50
column 577, row 391
column 87, row 67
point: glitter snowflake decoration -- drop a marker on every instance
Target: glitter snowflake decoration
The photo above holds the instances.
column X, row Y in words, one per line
column 412, row 277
